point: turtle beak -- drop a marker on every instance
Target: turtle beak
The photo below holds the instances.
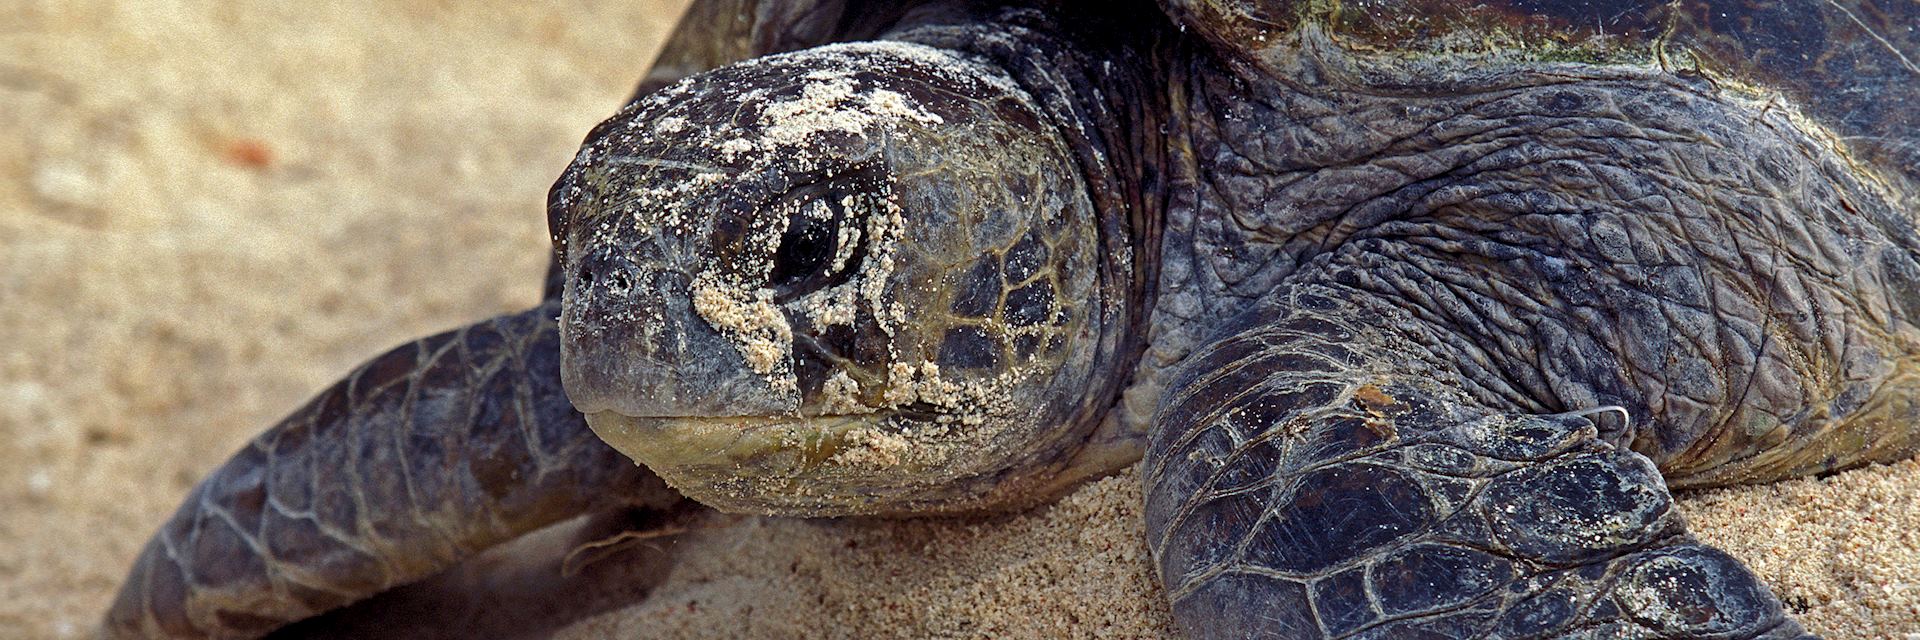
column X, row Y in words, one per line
column 631, row 344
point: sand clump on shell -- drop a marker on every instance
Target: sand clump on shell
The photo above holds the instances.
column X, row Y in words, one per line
column 217, row 211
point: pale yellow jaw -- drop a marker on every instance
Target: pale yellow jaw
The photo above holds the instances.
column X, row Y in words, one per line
column 822, row 465
column 753, row 444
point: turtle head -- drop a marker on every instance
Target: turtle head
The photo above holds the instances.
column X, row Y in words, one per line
column 855, row 279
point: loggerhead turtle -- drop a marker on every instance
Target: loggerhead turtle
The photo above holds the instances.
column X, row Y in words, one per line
column 1415, row 309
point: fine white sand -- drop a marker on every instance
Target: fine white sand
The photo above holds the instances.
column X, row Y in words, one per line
column 207, row 213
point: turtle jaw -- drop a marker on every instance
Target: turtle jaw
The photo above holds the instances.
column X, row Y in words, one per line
column 806, row 466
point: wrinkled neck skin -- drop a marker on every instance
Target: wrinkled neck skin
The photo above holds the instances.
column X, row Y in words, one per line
column 1568, row 235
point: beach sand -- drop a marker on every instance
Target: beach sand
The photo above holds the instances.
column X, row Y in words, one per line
column 207, row 213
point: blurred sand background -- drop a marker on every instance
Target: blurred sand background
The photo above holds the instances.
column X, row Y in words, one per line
column 208, row 211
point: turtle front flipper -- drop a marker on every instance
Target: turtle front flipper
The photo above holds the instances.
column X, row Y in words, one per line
column 1321, row 474
column 425, row 455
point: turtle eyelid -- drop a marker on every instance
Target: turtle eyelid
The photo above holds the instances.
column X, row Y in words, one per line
column 805, row 261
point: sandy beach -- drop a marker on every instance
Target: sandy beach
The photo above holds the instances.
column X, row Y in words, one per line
column 209, row 212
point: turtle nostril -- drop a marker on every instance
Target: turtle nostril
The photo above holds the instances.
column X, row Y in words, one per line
column 613, row 275
column 618, row 283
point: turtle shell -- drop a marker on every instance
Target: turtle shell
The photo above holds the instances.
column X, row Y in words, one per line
column 1850, row 66
column 716, row 33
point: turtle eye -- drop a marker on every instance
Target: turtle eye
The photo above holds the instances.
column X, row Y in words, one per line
column 806, row 261
column 806, row 246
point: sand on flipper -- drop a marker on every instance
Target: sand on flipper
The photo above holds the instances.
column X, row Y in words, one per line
column 210, row 212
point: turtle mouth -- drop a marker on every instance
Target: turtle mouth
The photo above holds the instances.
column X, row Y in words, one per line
column 839, row 464
column 762, row 446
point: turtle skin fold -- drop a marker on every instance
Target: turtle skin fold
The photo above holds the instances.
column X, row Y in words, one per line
column 1318, row 474
column 435, row 450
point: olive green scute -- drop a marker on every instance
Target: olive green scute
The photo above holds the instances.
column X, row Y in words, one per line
column 978, row 290
column 1029, row 305
column 968, row 347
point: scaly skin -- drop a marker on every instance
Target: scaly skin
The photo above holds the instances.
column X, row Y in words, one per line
column 1424, row 275
column 444, row 446
column 1583, row 236
column 1323, row 475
